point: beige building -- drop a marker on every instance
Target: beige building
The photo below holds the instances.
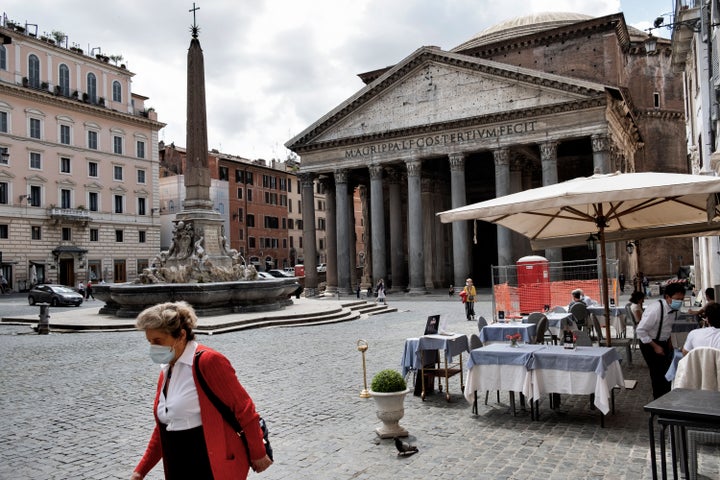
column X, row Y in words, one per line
column 529, row 102
column 78, row 165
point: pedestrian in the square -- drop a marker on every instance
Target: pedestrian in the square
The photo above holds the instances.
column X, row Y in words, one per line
column 470, row 292
column 89, row 291
column 3, row 284
column 81, row 289
column 191, row 437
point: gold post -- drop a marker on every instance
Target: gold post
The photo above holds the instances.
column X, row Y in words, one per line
column 362, row 347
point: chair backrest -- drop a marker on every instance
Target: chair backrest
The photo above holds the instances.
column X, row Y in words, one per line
column 535, row 317
column 559, row 309
column 475, row 342
column 580, row 312
column 583, row 339
column 541, row 328
column 629, row 315
column 481, row 323
column 699, row 370
column 598, row 329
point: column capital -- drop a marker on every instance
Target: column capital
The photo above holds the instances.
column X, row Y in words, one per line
column 376, row 172
column 341, row 176
column 501, row 156
column 600, row 142
column 548, row 150
column 457, row 162
column 306, row 179
column 326, row 181
column 413, row 167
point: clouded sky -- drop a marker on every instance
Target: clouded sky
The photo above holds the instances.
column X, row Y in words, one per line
column 273, row 67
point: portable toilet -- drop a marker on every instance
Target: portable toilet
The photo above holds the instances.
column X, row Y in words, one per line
column 533, row 283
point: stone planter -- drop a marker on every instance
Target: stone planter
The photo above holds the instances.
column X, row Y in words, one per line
column 390, row 409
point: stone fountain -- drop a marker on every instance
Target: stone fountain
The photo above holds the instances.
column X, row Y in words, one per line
column 199, row 268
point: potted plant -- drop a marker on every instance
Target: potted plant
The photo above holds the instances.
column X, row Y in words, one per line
column 388, row 388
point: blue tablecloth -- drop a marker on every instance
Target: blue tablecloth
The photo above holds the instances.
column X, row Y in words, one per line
column 615, row 311
column 502, row 354
column 557, row 322
column 670, row 374
column 580, row 359
column 451, row 344
column 497, row 332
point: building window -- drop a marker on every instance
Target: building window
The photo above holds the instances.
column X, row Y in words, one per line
column 140, row 149
column 92, row 88
column 224, row 174
column 249, row 195
column 117, row 145
column 117, row 173
column 94, row 235
column 92, row 169
column 93, row 201
column 4, row 193
column 92, row 140
column 299, row 225
column 36, row 232
column 64, row 165
column 65, row 198
column 251, row 242
column 35, row 195
column 656, row 100
column 4, row 231
column 141, row 236
column 35, row 127
column 249, row 177
column 290, row 224
column 239, row 193
column 119, row 200
column 141, row 177
column 65, row 134
column 35, row 161
column 239, row 176
column 3, row 58
column 4, row 156
column 3, row 122
column 117, row 91
column 141, row 206
column 250, row 220
column 67, row 234
column 64, row 80
column 119, row 236
column 240, row 215
column 34, row 71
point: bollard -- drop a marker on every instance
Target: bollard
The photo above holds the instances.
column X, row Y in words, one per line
column 43, row 327
column 362, row 347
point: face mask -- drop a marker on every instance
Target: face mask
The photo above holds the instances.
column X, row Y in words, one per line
column 676, row 304
column 161, row 353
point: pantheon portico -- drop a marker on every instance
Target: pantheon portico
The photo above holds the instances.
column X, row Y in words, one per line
column 441, row 129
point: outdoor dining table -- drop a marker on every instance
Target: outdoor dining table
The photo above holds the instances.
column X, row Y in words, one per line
column 452, row 345
column 498, row 367
column 497, row 332
column 557, row 322
column 578, row 371
column 617, row 317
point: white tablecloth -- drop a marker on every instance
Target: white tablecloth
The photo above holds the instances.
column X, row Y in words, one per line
column 452, row 345
column 496, row 332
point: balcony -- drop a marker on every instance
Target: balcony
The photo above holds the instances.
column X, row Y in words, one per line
column 70, row 215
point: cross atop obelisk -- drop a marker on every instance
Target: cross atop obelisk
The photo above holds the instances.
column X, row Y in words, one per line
column 195, row 29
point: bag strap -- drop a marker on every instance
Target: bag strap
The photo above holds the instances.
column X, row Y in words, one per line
column 224, row 410
column 662, row 315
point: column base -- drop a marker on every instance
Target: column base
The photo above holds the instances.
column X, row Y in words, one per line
column 331, row 290
column 417, row 291
column 310, row 292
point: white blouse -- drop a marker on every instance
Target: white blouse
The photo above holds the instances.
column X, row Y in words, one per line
column 181, row 409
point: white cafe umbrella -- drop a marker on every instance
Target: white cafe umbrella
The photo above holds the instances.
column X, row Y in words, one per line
column 618, row 206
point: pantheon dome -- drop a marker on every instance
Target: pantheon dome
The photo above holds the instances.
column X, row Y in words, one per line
column 526, row 25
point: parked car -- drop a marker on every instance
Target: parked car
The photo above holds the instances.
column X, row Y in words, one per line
column 54, row 295
column 290, row 271
column 264, row 276
column 279, row 273
column 322, row 267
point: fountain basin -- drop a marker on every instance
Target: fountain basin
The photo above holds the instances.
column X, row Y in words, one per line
column 127, row 300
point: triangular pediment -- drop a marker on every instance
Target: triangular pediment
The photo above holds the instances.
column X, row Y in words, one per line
column 433, row 87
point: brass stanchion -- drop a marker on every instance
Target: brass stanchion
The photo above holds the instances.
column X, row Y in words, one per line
column 362, row 347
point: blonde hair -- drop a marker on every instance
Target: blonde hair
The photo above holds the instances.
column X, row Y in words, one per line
column 169, row 317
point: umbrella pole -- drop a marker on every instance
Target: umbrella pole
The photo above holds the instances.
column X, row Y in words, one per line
column 605, row 295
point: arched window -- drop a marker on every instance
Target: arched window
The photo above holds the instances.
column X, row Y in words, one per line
column 34, row 71
column 64, row 80
column 117, row 92
column 92, row 88
column 3, row 58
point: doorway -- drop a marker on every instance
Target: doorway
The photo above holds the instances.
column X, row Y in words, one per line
column 66, row 276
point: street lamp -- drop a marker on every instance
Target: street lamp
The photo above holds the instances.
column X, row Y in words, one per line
column 630, row 247
column 591, row 242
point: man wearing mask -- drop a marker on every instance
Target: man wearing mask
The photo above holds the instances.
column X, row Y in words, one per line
column 654, row 332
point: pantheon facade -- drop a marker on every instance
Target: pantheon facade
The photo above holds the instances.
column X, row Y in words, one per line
column 529, row 102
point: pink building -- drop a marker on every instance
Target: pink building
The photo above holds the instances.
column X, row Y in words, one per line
column 78, row 165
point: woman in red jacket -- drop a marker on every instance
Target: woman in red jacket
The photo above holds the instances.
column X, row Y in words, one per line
column 190, row 435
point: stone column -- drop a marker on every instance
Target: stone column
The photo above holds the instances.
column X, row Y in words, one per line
column 331, row 274
column 397, row 250
column 601, row 153
column 366, row 272
column 307, row 189
column 548, row 159
column 377, row 224
column 416, row 263
column 342, row 215
column 430, row 251
column 502, row 188
column 460, row 238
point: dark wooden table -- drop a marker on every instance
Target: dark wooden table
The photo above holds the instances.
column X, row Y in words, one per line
column 681, row 408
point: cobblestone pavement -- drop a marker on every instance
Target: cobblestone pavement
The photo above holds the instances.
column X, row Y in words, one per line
column 78, row 406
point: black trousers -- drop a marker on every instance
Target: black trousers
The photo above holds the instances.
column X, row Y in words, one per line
column 185, row 454
column 658, row 366
column 469, row 310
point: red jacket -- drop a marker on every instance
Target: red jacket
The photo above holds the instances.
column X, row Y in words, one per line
column 225, row 449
